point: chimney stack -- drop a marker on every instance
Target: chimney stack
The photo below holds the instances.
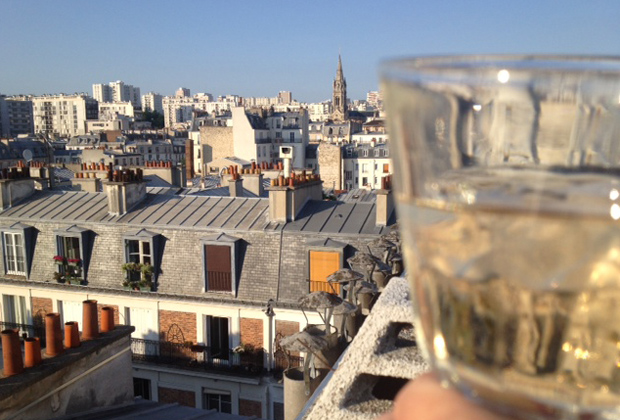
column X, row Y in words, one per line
column 286, row 200
column 15, row 184
column 385, row 201
column 124, row 189
column 235, row 185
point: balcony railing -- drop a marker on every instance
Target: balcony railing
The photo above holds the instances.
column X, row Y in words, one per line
column 219, row 281
column 26, row 330
column 324, row 286
column 189, row 356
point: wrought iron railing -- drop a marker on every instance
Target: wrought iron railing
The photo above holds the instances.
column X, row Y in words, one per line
column 26, row 330
column 219, row 281
column 190, row 356
column 324, row 286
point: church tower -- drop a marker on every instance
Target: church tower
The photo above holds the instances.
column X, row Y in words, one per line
column 339, row 97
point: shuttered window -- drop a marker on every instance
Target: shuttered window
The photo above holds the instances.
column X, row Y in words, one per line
column 322, row 265
column 219, row 270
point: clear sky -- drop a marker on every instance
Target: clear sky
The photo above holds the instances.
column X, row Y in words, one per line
column 257, row 48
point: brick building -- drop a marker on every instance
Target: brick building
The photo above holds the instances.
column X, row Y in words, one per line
column 208, row 283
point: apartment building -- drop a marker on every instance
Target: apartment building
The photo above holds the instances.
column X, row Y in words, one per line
column 365, row 164
column 209, row 283
column 111, row 110
column 63, row 115
column 179, row 111
column 16, row 116
column 153, row 101
column 117, row 92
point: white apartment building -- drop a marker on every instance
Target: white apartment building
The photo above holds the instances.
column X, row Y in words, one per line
column 63, row 115
column 152, row 101
column 259, row 138
column 320, row 111
column 364, row 165
column 179, row 111
column 110, row 110
column 117, row 92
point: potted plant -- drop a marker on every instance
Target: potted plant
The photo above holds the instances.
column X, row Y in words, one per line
column 147, row 271
column 128, row 285
column 60, row 260
column 74, row 262
column 145, row 285
column 59, row 277
column 77, row 281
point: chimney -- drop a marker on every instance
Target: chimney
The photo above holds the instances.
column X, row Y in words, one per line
column 254, row 184
column 385, row 201
column 287, row 196
column 86, row 184
column 14, row 187
column 235, row 186
column 124, row 189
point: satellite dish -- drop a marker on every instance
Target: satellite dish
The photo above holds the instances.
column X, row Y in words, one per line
column 27, row 155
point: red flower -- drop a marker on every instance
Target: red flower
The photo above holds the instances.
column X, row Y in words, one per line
column 73, row 260
column 59, row 258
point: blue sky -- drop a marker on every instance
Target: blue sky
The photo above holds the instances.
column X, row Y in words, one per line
column 257, row 48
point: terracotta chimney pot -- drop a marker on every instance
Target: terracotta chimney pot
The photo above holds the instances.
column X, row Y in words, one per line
column 12, row 353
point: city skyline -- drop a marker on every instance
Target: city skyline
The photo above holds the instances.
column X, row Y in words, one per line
column 257, row 50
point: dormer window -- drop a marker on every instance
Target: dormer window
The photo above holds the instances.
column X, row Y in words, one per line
column 18, row 246
column 220, row 263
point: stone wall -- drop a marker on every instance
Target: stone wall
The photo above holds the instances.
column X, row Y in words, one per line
column 330, row 165
column 217, row 142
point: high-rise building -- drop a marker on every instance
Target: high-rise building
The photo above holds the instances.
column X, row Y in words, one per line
column 63, row 115
column 285, row 97
column 152, row 101
column 16, row 116
column 182, row 92
column 117, row 92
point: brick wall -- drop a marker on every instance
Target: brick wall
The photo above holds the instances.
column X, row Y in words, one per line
column 186, row 321
column 41, row 307
column 252, row 332
column 116, row 314
column 169, row 396
column 286, row 328
column 250, row 408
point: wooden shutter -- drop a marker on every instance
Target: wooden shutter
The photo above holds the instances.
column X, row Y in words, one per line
column 218, row 268
column 323, row 264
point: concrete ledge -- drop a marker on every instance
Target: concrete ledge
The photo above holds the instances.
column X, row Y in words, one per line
column 382, row 358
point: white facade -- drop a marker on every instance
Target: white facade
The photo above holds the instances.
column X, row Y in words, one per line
column 365, row 166
column 117, row 92
column 63, row 115
column 116, row 124
column 259, row 139
column 110, row 110
column 369, row 137
column 152, row 101
column 179, row 110
column 320, row 111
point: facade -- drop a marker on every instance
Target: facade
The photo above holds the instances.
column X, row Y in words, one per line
column 16, row 116
column 117, row 92
column 226, row 273
column 111, row 110
column 63, row 115
column 258, row 138
column 364, row 165
column 179, row 111
column 152, row 101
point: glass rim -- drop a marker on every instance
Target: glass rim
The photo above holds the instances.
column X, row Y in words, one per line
column 421, row 67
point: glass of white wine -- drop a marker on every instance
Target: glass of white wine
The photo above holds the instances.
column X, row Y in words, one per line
column 507, row 182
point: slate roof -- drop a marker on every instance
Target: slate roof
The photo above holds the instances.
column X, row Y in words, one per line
column 163, row 209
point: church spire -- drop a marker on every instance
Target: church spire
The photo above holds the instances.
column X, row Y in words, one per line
column 339, row 96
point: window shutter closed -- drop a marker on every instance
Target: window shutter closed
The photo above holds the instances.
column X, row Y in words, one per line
column 218, row 268
column 322, row 265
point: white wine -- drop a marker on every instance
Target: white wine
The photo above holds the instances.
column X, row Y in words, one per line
column 518, row 292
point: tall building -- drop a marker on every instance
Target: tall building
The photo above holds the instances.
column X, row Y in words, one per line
column 63, row 115
column 285, row 97
column 117, row 92
column 152, row 101
column 182, row 92
column 339, row 96
column 16, row 116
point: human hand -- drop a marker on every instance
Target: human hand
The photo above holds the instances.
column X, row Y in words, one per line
column 425, row 399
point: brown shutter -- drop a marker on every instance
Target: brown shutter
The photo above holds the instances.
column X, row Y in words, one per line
column 218, row 268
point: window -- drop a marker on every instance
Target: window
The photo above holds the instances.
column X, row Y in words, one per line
column 219, row 259
column 143, row 247
column 14, row 254
column 292, row 137
column 386, row 168
column 348, row 175
column 15, row 310
column 218, row 337
column 325, row 257
column 216, row 400
column 364, row 167
column 364, row 181
column 142, row 388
